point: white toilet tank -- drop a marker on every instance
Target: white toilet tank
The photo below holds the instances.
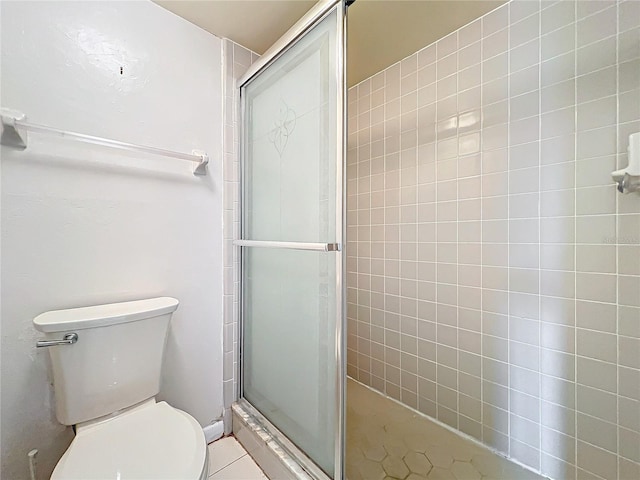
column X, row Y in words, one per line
column 116, row 361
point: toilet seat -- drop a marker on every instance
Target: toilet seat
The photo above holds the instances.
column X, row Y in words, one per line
column 152, row 442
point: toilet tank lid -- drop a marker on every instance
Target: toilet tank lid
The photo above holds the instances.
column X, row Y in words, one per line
column 103, row 315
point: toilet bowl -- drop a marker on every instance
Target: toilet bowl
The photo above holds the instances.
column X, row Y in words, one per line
column 106, row 362
column 153, row 441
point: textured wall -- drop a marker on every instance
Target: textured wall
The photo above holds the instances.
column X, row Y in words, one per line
column 85, row 225
column 493, row 269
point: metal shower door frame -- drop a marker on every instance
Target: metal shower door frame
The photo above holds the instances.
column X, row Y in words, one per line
column 317, row 13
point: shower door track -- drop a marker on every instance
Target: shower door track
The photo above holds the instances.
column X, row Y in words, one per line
column 301, row 458
column 308, row 21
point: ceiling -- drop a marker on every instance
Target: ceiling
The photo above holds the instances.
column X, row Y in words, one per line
column 254, row 24
column 380, row 32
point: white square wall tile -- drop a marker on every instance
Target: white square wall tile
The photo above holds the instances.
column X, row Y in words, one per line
column 447, row 45
column 524, row 30
column 596, row 56
column 596, row 316
column 597, row 403
column 525, row 80
column 525, row 55
column 558, row 42
column 596, row 258
column 495, row 20
column 495, row 44
column 597, row 27
column 597, row 460
column 596, row 345
column 469, row 55
column 558, row 96
column 597, row 432
column 557, row 203
column 596, row 374
column 557, row 310
column 520, row 9
column 557, row 15
column 586, row 9
column 470, row 33
column 596, row 287
column 629, row 290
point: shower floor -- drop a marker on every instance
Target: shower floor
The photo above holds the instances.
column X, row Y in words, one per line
column 386, row 440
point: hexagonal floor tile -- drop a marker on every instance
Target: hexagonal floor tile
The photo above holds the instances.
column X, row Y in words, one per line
column 465, row 471
column 488, row 465
column 387, row 441
column 373, row 452
column 395, row 467
column 395, row 446
column 464, row 450
column 464, row 454
column 417, row 442
column 353, row 473
column 516, row 471
column 415, row 476
column 438, row 456
column 371, row 470
column 417, row 463
column 438, row 473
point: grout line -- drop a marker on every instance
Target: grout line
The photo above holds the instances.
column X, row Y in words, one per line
column 617, row 249
column 509, row 430
column 540, row 323
column 575, row 230
column 229, row 464
column 436, row 229
column 457, row 179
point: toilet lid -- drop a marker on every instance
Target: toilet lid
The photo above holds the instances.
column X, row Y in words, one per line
column 155, row 442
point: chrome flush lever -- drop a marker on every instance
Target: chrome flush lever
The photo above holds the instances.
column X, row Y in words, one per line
column 68, row 339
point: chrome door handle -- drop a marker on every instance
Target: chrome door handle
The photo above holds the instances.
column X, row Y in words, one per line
column 320, row 247
column 68, row 339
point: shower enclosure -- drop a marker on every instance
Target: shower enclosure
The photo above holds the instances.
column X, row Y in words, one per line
column 292, row 372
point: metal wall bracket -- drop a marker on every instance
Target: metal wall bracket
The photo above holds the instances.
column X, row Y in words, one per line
column 201, row 168
column 11, row 136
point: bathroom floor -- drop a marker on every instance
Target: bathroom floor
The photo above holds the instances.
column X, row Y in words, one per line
column 228, row 460
column 386, row 440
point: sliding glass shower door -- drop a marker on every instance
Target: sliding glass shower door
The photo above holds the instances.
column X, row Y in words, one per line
column 292, row 236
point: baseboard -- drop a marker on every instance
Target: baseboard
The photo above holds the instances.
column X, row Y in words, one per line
column 214, row 431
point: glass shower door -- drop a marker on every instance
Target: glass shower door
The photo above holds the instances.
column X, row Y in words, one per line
column 292, row 236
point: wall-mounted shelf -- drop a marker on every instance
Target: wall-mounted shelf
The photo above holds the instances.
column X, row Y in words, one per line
column 15, row 129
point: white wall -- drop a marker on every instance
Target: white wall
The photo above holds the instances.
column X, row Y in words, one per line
column 85, row 225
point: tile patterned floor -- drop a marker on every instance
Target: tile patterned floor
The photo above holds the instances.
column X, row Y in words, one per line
column 388, row 441
column 228, row 460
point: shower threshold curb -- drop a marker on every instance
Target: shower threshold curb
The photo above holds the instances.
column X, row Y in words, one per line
column 272, row 458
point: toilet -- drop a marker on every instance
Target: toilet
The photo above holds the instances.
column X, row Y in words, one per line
column 105, row 383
